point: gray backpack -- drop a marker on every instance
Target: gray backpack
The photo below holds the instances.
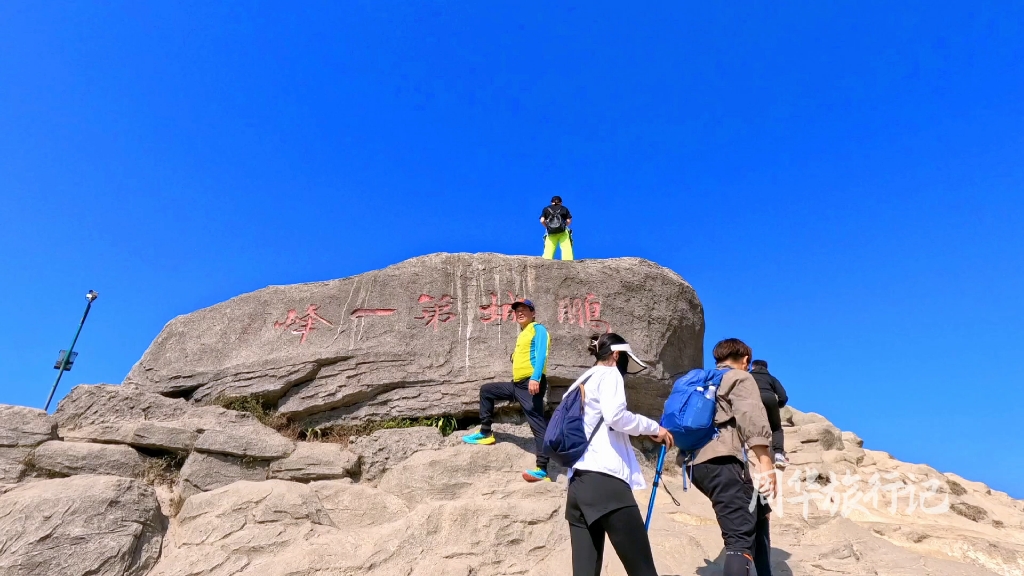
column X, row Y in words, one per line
column 554, row 222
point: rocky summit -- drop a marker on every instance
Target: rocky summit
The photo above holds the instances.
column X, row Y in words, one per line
column 152, row 477
column 417, row 339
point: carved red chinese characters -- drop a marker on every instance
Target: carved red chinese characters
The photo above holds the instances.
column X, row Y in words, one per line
column 495, row 312
column 435, row 311
column 586, row 312
column 303, row 324
column 364, row 312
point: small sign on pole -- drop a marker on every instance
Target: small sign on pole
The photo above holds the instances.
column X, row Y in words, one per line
column 60, row 358
column 68, row 359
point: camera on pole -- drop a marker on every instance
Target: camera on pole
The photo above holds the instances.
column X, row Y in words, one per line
column 67, row 357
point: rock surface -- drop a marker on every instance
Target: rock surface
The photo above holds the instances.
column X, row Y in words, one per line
column 21, row 426
column 110, row 404
column 816, row 436
column 81, row 526
column 203, row 472
column 168, row 436
column 272, row 527
column 355, row 505
column 245, row 443
column 413, row 503
column 386, row 448
column 419, row 338
column 316, row 461
column 129, row 415
column 76, row 458
column 12, row 464
column 458, row 509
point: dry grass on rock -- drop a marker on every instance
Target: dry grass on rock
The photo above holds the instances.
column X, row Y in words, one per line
column 956, row 488
column 969, row 511
column 446, row 425
column 270, row 417
column 266, row 414
column 163, row 470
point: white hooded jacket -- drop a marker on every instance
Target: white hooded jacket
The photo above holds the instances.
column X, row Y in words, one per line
column 610, row 452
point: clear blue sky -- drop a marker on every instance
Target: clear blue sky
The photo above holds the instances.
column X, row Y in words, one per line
column 841, row 182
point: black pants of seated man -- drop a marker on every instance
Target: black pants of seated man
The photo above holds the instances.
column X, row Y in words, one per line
column 726, row 482
column 771, row 407
column 533, row 406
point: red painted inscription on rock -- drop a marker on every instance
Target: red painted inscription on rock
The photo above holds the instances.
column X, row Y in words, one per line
column 495, row 312
column 585, row 312
column 435, row 310
column 304, row 324
column 364, row 312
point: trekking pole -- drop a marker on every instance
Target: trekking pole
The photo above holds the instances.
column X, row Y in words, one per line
column 654, row 489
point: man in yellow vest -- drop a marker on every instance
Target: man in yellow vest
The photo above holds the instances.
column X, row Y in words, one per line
column 528, row 386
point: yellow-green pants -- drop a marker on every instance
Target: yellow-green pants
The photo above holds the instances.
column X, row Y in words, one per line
column 560, row 240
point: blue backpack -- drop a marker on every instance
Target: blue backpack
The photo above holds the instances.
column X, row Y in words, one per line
column 690, row 411
column 566, row 439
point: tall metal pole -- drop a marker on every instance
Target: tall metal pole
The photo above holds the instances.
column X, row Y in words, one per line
column 64, row 359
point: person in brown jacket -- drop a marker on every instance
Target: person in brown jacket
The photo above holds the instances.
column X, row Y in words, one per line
column 720, row 469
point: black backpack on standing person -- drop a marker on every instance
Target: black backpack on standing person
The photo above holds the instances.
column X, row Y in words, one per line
column 554, row 222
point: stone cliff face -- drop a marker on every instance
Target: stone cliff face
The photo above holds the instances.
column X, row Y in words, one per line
column 420, row 337
column 149, row 478
column 141, row 494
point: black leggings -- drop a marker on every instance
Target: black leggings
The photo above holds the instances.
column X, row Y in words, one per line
column 625, row 528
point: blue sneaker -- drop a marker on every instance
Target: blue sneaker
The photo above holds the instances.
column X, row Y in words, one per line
column 536, row 475
column 478, row 438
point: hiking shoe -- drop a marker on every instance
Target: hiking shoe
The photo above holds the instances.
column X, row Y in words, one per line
column 536, row 475
column 781, row 461
column 478, row 438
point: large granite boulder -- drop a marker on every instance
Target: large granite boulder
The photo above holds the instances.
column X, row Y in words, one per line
column 420, row 337
column 80, row 526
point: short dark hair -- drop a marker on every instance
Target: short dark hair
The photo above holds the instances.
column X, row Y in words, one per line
column 731, row 349
column 601, row 344
column 556, row 199
column 760, row 364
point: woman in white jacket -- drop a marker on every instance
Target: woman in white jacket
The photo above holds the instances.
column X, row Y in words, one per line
column 601, row 483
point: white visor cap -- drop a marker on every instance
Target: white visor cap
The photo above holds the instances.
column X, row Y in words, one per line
column 635, row 366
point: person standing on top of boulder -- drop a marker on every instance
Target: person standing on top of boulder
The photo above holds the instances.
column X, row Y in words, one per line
column 720, row 470
column 556, row 220
column 600, row 498
column 774, row 398
column 528, row 386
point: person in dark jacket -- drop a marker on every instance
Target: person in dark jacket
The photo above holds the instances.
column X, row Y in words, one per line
column 773, row 395
column 556, row 219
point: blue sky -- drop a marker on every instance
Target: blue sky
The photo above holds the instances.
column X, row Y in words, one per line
column 841, row 182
